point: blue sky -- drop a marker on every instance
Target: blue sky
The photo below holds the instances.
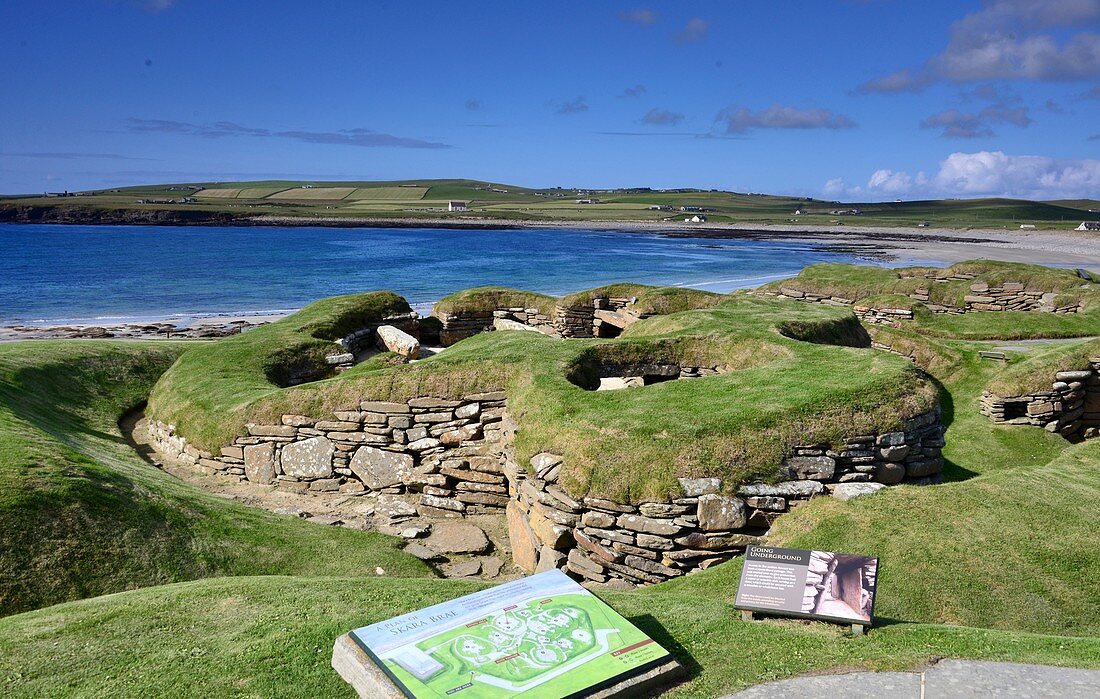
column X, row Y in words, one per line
column 847, row 99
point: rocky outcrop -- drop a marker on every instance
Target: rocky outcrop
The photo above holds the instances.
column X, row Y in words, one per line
column 1070, row 408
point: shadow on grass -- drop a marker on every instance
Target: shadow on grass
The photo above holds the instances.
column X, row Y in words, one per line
column 952, row 472
column 654, row 630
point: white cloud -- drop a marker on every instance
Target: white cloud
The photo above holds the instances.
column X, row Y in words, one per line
column 694, row 31
column 1002, row 41
column 986, row 173
column 778, row 116
column 834, row 187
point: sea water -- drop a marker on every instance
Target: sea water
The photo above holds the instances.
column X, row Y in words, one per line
column 73, row 273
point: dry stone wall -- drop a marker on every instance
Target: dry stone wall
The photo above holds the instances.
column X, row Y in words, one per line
column 463, row 324
column 449, row 452
column 442, row 458
column 1009, row 296
column 599, row 540
column 602, row 317
column 1070, row 408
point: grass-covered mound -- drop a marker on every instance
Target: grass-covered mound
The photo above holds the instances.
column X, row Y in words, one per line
column 491, row 298
column 628, row 445
column 224, row 378
column 81, row 514
column 885, row 288
column 1036, row 372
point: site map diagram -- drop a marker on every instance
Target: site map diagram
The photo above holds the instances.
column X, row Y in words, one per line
column 552, row 638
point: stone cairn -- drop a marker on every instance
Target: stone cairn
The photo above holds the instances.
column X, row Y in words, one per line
column 1009, row 296
column 1070, row 408
column 439, row 458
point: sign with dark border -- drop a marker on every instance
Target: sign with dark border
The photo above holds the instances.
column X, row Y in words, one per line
column 822, row 585
column 541, row 637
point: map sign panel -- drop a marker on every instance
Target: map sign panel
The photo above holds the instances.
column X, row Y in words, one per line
column 542, row 637
column 813, row 584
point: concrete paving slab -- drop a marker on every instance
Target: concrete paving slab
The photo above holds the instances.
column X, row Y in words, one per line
column 948, row 679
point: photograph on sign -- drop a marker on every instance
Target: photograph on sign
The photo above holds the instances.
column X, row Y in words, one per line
column 816, row 584
column 543, row 636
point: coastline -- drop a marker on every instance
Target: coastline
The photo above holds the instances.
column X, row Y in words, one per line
column 895, row 246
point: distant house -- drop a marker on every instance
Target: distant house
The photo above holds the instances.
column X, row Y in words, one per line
column 1089, row 226
column 1027, row 226
column 588, row 201
column 695, row 219
column 457, row 206
column 922, row 224
column 799, row 212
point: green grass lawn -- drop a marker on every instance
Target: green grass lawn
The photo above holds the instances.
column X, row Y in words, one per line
column 81, row 514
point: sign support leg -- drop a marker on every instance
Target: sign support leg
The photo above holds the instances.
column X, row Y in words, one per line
column 857, row 629
column 746, row 615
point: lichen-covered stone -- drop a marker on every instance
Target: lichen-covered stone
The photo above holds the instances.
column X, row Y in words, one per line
column 259, row 463
column 379, row 469
column 720, row 513
column 309, row 458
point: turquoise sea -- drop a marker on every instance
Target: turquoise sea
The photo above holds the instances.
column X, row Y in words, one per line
column 69, row 273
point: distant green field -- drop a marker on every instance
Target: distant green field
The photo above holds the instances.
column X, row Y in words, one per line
column 314, row 193
column 389, row 193
column 218, row 193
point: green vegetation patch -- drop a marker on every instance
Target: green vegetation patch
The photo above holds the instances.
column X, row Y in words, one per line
column 1036, row 372
column 490, row 298
column 81, row 514
column 389, row 193
column 206, row 393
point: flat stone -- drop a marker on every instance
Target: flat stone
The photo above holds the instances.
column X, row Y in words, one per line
column 309, row 458
column 423, row 444
column 442, row 503
column 787, row 489
column 466, row 569
column 379, row 469
column 648, row 525
column 375, row 406
column 889, row 473
column 698, row 540
column 272, row 431
column 457, row 537
column 420, row 551
column 721, row 513
column 818, row 468
column 325, row 485
column 594, row 518
column 847, row 491
column 694, row 487
column 259, row 463
column 392, row 507
column 897, row 453
column 490, row 567
column 766, row 502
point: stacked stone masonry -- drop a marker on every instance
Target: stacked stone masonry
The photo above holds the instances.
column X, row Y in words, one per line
column 1070, row 408
column 455, row 457
column 1010, row 296
column 355, row 343
column 602, row 317
column 463, row 324
column 448, row 452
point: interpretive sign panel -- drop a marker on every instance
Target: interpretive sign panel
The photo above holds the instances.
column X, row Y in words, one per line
column 815, row 584
column 542, row 636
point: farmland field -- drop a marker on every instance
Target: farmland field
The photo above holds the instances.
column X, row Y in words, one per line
column 390, row 193
column 259, row 192
column 218, row 193
column 314, row 193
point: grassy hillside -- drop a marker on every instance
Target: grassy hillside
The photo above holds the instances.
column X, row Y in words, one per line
column 81, row 514
column 427, row 199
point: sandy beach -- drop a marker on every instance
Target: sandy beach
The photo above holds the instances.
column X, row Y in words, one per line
column 892, row 246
